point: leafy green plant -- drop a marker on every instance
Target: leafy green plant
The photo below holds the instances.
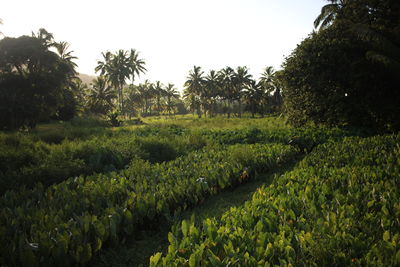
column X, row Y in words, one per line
column 113, row 119
column 68, row 222
column 339, row 207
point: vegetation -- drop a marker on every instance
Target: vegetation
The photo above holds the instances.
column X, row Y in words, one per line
column 338, row 207
column 109, row 206
column 346, row 73
column 89, row 168
column 35, row 83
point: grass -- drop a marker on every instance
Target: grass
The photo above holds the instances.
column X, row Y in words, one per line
column 136, row 252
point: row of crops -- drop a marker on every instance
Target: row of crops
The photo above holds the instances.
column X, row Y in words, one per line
column 24, row 162
column 339, row 207
column 67, row 223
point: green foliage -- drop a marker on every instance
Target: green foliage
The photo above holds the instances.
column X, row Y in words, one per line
column 68, row 222
column 347, row 73
column 26, row 162
column 113, row 119
column 339, row 207
column 31, row 82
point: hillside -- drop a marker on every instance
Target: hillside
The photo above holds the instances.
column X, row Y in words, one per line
column 86, row 79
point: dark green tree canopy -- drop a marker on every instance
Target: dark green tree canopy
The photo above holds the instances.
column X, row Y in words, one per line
column 31, row 81
column 347, row 73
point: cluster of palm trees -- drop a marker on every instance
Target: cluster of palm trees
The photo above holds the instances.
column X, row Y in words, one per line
column 152, row 98
column 111, row 86
column 115, row 70
column 144, row 99
column 226, row 90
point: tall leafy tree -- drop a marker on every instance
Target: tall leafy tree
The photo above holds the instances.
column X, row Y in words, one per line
column 212, row 90
column 254, row 96
column 241, row 78
column 227, row 93
column 66, row 55
column 194, row 88
column 136, row 65
column 159, row 92
column 45, row 37
column 170, row 93
column 329, row 13
column 117, row 69
column 100, row 99
column 31, row 81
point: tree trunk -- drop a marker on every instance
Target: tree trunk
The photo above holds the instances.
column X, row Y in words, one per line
column 240, row 107
column 229, row 108
column 121, row 100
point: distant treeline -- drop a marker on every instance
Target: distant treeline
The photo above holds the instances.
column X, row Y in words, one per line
column 344, row 73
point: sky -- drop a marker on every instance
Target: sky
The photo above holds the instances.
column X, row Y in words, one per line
column 171, row 35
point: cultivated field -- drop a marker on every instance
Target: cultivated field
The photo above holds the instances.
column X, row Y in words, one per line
column 198, row 192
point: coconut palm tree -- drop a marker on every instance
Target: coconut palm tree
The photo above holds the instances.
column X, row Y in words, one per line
column 225, row 77
column 212, row 90
column 241, row 78
column 329, row 13
column 267, row 75
column 170, row 94
column 158, row 93
column 116, row 69
column 45, row 37
column 146, row 91
column 66, row 56
column 254, row 96
column 103, row 65
column 194, row 87
column 136, row 65
column 101, row 96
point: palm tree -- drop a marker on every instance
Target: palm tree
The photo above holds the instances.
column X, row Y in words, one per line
column 45, row 37
column 159, row 93
column 79, row 90
column 171, row 93
column 146, row 92
column 241, row 78
column 212, row 90
column 329, row 13
column 67, row 57
column 382, row 50
column 225, row 77
column 136, row 65
column 254, row 96
column 267, row 79
column 103, row 65
column 270, row 84
column 116, row 69
column 194, row 87
column 101, row 96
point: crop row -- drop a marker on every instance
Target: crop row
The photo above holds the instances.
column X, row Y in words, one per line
column 25, row 163
column 67, row 223
column 339, row 207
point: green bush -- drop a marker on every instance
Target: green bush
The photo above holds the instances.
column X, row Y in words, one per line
column 67, row 223
column 339, row 207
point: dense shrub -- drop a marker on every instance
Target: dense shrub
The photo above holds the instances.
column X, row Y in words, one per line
column 339, row 207
column 67, row 223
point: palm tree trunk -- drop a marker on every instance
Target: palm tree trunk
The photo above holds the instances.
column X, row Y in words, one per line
column 122, row 100
column 240, row 107
column 229, row 108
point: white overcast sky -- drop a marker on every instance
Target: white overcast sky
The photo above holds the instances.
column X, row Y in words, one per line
column 171, row 35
